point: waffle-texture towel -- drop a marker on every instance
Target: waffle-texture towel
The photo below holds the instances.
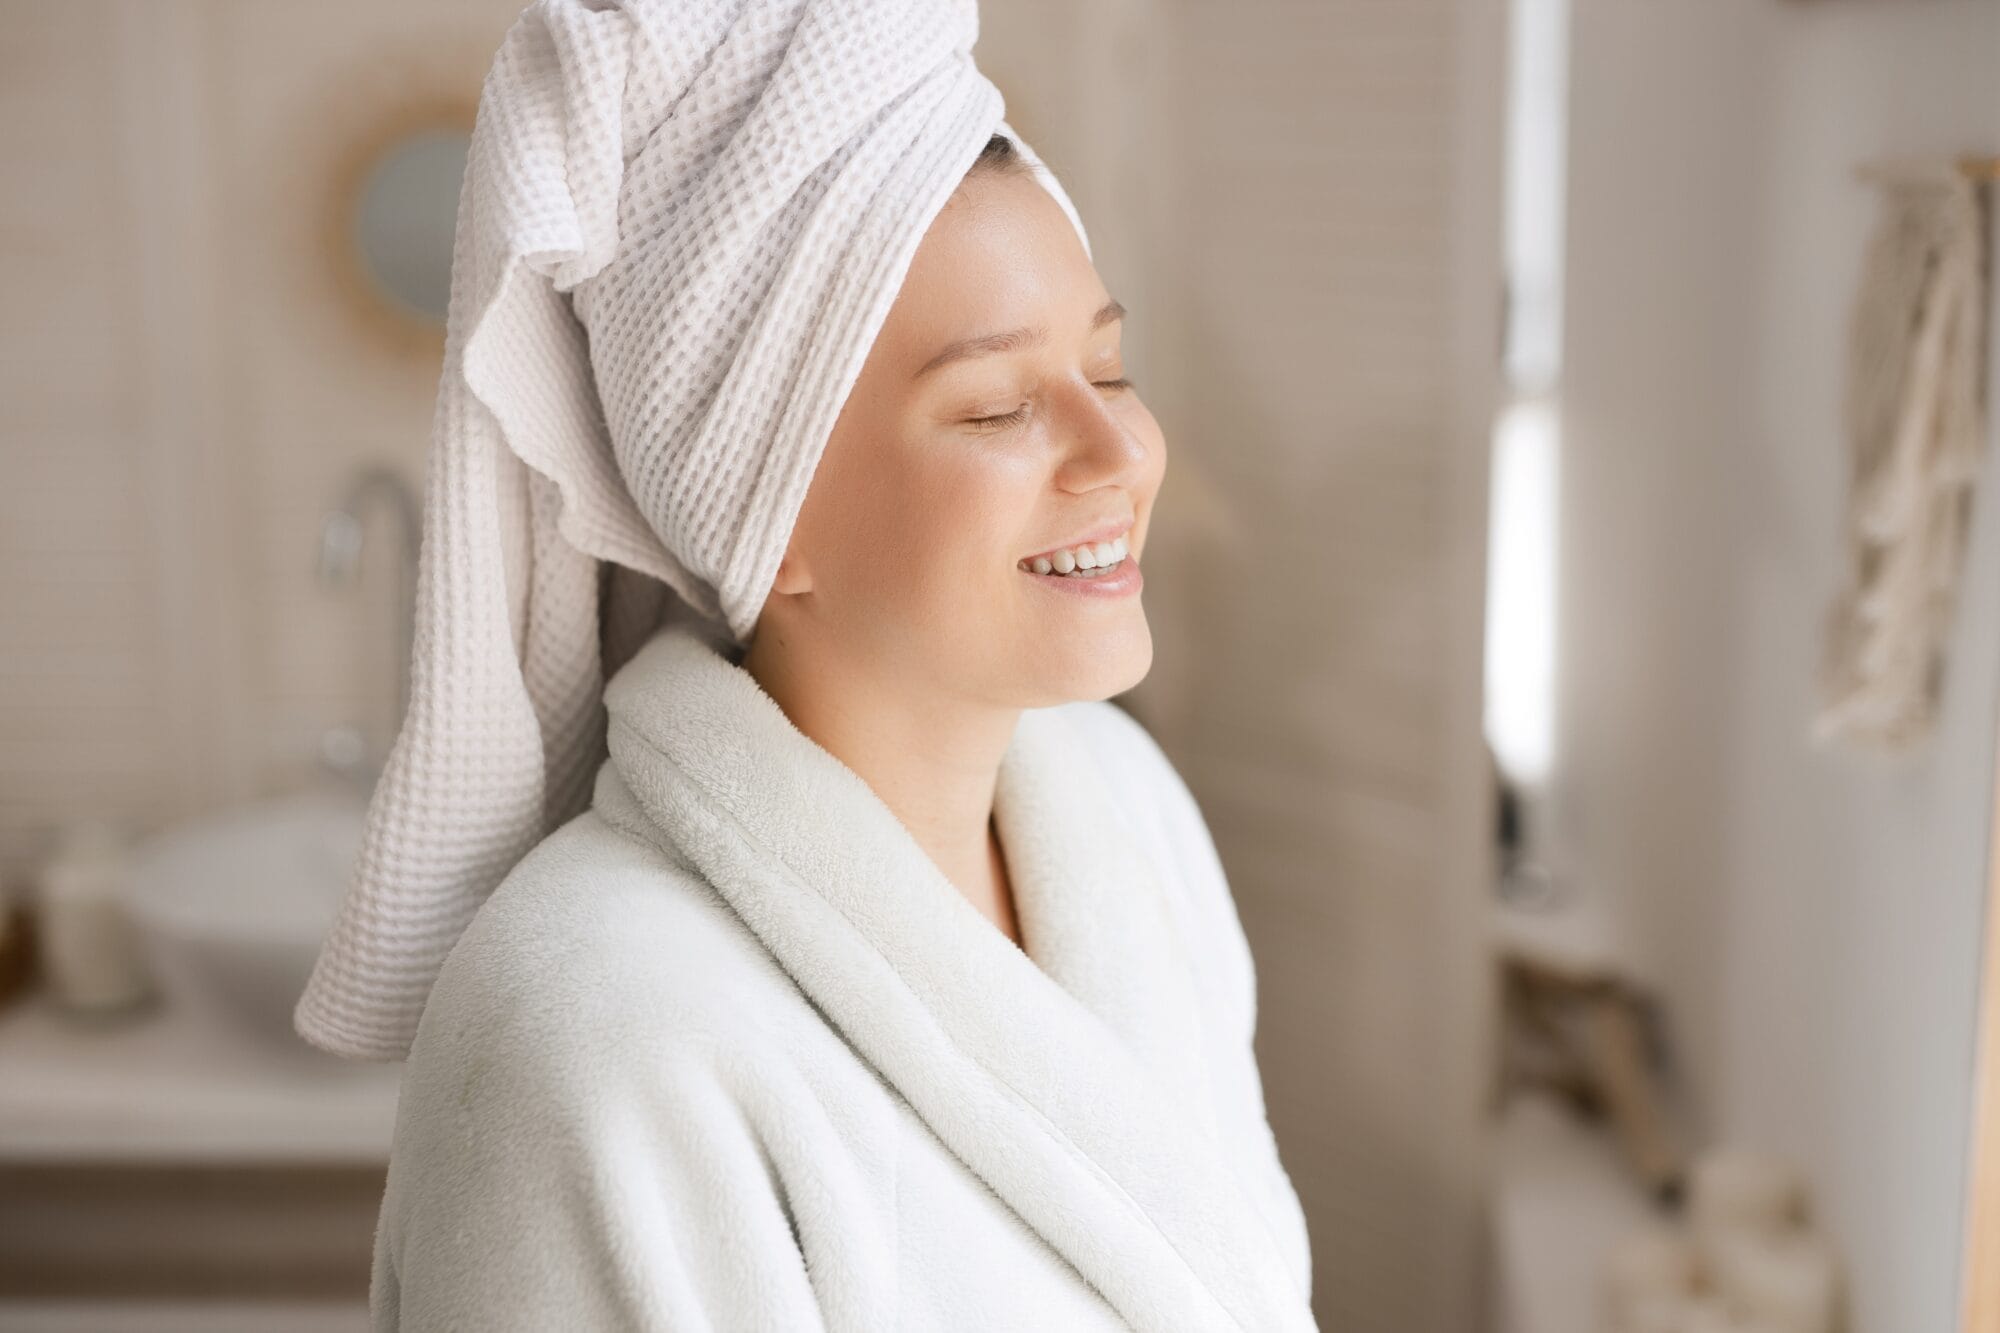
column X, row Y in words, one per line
column 729, row 1051
column 681, row 226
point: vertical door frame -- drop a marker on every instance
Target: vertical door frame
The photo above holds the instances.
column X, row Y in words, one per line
column 1979, row 1280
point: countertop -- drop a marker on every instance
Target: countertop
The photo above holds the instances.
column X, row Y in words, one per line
column 169, row 1085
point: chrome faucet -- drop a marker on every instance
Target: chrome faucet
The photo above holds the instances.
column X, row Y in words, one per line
column 345, row 749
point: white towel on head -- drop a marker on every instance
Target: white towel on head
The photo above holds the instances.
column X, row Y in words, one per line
column 681, row 226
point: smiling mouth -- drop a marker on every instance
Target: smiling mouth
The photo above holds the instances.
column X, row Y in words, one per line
column 1085, row 574
column 1087, row 560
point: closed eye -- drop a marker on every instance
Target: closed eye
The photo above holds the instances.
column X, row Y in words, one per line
column 1005, row 419
column 1020, row 414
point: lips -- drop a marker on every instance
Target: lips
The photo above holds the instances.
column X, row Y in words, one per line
column 1121, row 581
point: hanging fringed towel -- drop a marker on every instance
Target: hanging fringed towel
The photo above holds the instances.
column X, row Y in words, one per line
column 1915, row 427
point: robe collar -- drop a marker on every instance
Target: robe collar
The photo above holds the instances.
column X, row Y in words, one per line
column 1068, row 1076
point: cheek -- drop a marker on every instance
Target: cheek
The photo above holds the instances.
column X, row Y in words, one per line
column 973, row 504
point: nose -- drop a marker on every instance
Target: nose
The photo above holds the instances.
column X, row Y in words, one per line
column 1101, row 448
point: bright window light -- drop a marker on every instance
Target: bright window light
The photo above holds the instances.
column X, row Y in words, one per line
column 1520, row 579
column 1523, row 521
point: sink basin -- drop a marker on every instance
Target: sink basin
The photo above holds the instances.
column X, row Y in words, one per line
column 232, row 907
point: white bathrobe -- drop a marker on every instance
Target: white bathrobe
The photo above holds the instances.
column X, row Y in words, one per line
column 728, row 1051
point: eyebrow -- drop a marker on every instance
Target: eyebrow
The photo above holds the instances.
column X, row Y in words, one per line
column 1012, row 340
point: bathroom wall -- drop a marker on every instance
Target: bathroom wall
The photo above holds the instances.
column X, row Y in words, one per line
column 1811, row 916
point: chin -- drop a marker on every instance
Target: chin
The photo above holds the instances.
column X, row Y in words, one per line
column 1098, row 667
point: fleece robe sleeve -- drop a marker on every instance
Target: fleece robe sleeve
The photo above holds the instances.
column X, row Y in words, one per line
column 521, row 1201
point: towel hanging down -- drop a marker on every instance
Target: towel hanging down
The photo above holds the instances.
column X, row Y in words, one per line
column 1916, row 433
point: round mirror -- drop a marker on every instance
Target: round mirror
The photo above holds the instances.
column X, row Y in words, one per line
column 391, row 218
column 404, row 217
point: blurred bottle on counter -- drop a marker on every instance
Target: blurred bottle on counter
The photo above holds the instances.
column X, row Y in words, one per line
column 89, row 947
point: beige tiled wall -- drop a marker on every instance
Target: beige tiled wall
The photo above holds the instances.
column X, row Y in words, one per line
column 1325, row 312
column 83, row 715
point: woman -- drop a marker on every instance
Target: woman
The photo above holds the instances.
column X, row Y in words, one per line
column 883, row 974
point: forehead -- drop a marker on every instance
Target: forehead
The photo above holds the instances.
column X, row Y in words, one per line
column 1001, row 254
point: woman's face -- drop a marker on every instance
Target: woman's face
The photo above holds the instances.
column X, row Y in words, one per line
column 945, row 471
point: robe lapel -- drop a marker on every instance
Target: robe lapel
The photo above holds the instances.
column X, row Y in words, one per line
column 1093, row 913
column 1067, row 1077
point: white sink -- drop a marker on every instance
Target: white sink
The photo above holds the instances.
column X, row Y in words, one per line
column 233, row 907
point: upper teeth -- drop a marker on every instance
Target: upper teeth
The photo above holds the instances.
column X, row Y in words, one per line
column 1086, row 556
